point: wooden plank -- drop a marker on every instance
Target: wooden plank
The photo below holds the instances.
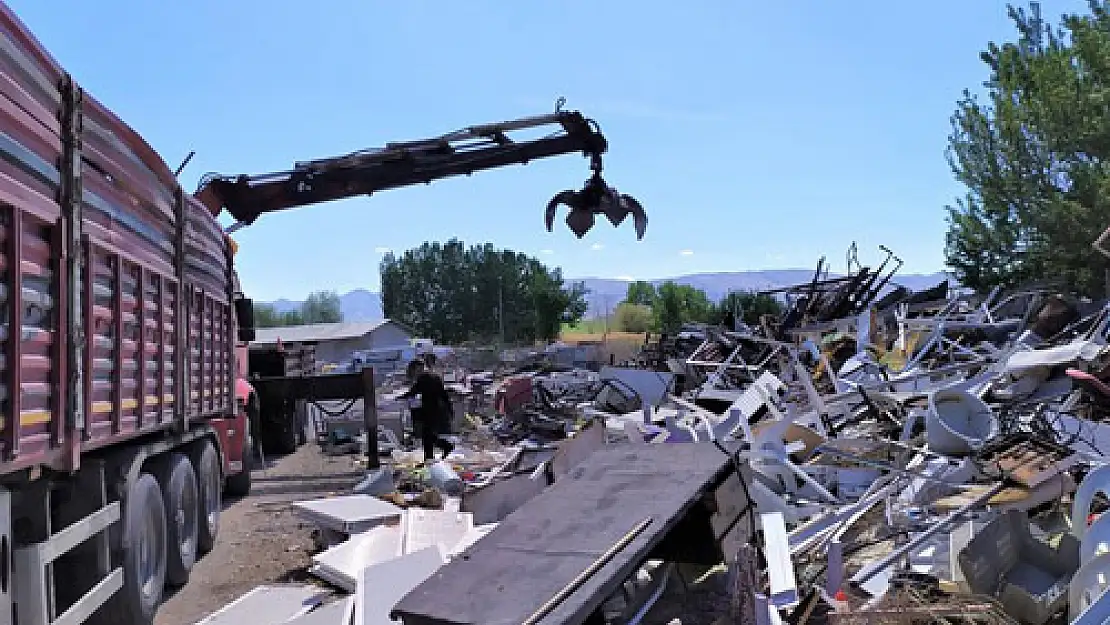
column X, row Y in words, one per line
column 539, row 549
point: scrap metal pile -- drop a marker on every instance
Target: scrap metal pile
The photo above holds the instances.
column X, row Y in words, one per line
column 916, row 457
column 874, row 455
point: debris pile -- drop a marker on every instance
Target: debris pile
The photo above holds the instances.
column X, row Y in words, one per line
column 875, row 455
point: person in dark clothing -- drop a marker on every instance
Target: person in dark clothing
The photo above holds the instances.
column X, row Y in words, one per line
column 430, row 411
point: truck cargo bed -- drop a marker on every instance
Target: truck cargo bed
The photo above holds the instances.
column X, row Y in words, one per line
column 113, row 282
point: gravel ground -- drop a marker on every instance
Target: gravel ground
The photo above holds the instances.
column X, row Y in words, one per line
column 261, row 541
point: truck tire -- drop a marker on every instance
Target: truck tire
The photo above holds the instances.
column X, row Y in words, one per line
column 143, row 556
column 239, row 485
column 182, row 500
column 210, row 483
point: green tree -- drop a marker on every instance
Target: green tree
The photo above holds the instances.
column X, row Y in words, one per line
column 668, row 308
column 454, row 294
column 676, row 304
column 321, row 307
column 268, row 316
column 629, row 317
column 292, row 318
column 747, row 306
column 640, row 292
column 1033, row 156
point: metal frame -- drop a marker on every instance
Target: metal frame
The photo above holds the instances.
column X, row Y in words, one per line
column 68, row 370
column 359, row 385
column 463, row 152
column 34, row 587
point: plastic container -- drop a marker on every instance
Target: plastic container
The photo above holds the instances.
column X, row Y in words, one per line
column 958, row 423
column 444, row 478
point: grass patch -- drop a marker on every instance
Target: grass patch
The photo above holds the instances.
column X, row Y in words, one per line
column 588, row 326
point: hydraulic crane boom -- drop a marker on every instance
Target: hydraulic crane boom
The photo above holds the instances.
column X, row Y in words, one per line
column 463, row 152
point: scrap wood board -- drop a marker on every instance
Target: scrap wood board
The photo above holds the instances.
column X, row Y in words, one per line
column 542, row 547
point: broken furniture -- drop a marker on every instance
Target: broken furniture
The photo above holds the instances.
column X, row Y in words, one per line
column 677, row 502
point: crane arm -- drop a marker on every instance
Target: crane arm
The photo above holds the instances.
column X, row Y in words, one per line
column 478, row 148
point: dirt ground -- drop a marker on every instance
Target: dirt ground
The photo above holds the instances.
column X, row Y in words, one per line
column 261, row 541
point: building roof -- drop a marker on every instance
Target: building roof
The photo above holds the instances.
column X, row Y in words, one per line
column 316, row 332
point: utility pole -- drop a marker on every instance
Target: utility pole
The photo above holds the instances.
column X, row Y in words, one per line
column 500, row 314
column 605, row 317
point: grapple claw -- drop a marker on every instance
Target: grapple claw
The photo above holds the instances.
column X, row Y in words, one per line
column 639, row 215
column 596, row 197
column 580, row 222
column 563, row 197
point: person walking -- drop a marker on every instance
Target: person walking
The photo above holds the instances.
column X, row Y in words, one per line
column 431, row 410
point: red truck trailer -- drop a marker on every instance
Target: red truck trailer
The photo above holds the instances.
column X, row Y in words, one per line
column 119, row 414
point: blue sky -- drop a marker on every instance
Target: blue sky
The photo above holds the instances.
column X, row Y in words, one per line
column 756, row 134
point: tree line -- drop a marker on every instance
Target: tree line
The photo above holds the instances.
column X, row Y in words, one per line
column 318, row 307
column 670, row 305
column 456, row 294
column 1033, row 154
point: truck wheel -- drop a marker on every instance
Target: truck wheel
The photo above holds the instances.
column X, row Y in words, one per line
column 181, row 496
column 143, row 555
column 209, row 480
column 239, row 485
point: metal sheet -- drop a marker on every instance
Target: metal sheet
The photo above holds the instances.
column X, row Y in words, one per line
column 539, row 549
column 493, row 503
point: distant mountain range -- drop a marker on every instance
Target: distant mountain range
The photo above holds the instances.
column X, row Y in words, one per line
column 606, row 293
